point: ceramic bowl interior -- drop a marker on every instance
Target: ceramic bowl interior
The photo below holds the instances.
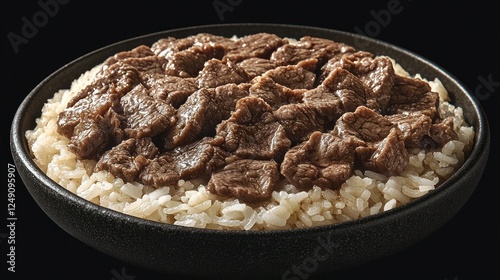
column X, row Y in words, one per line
column 214, row 253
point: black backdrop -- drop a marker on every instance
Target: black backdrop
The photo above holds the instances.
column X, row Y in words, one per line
column 38, row 37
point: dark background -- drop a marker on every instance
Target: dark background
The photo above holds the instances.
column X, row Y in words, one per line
column 463, row 38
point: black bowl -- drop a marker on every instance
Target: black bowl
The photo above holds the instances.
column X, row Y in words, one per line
column 250, row 254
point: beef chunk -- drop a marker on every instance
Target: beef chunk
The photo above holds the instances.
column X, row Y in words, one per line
column 331, row 48
column 326, row 104
column 127, row 159
column 342, row 60
column 307, row 48
column 442, row 131
column 202, row 111
column 137, row 52
column 410, row 95
column 140, row 58
column 377, row 73
column 166, row 47
column 94, row 133
column 194, row 160
column 275, row 94
column 217, row 73
column 120, row 73
column 351, row 91
column 254, row 45
column 292, row 76
column 363, row 125
column 248, row 180
column 188, row 63
column 291, row 54
column 388, row 156
column 253, row 132
column 91, row 124
column 256, row 66
column 145, row 116
column 301, row 119
column 414, row 127
column 103, row 94
column 323, row 160
column 173, row 90
column 379, row 144
column 84, row 108
column 116, row 79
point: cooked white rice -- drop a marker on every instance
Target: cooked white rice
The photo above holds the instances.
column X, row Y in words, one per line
column 190, row 204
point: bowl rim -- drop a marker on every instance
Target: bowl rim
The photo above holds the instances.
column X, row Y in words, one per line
column 480, row 148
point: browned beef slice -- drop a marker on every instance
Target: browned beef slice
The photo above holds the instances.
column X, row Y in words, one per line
column 307, row 48
column 323, row 160
column 116, row 79
column 442, row 131
column 292, row 76
column 217, row 73
column 310, row 65
column 363, row 125
column 388, row 156
column 377, row 73
column 414, row 127
column 290, row 54
column 84, row 108
column 120, row 74
column 349, row 88
column 254, row 45
column 253, row 132
column 144, row 115
column 127, row 159
column 248, row 180
column 326, row 99
column 256, row 66
column 202, row 38
column 142, row 58
column 301, row 119
column 201, row 112
column 194, row 160
column 379, row 144
column 94, row 133
column 148, row 67
column 165, row 47
column 173, row 90
column 137, row 52
column 332, row 47
column 189, row 62
column 160, row 171
column 326, row 104
column 342, row 60
column 413, row 95
column 322, row 106
column 275, row 94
